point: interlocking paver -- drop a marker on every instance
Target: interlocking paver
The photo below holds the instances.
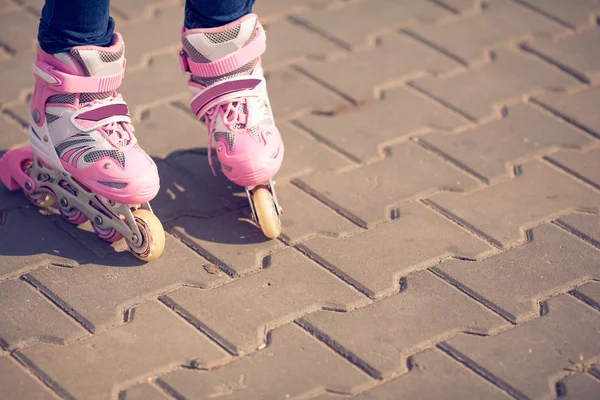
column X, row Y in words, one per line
column 11, row 134
column 99, row 294
column 18, row 384
column 501, row 22
column 239, row 314
column 154, row 340
column 577, row 107
column 581, row 387
column 420, row 237
column 353, row 75
column 490, row 149
column 133, row 9
column 289, row 42
column 26, row 317
column 44, row 243
column 461, row 5
column 15, row 79
column 230, row 240
column 427, row 311
column 510, row 76
column 573, row 52
column 409, row 172
column 502, row 211
column 362, row 132
column 433, row 376
column 7, row 5
column 576, row 14
column 144, row 391
column 533, row 356
column 292, row 93
column 590, row 293
column 585, row 165
column 354, row 22
column 553, row 262
column 12, row 26
column 270, row 8
column 585, row 226
column 293, row 365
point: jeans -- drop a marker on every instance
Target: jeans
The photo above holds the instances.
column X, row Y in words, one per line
column 69, row 23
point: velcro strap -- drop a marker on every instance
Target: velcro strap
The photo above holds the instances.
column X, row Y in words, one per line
column 229, row 63
column 219, row 91
column 67, row 83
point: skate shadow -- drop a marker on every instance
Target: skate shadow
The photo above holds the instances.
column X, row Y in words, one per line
column 206, row 207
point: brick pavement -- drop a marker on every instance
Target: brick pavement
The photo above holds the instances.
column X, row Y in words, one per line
column 441, row 195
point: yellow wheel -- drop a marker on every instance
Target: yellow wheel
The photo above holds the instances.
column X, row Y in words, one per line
column 152, row 242
column 268, row 219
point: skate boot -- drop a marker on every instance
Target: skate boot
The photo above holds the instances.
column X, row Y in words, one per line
column 230, row 97
column 83, row 152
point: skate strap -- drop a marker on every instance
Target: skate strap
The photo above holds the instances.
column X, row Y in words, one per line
column 227, row 64
column 66, row 83
column 225, row 91
column 94, row 117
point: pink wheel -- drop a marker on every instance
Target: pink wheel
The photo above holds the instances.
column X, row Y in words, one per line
column 74, row 216
column 109, row 235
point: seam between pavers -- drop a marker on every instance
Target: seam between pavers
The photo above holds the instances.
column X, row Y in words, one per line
column 546, row 161
column 580, row 76
column 585, row 299
column 41, row 375
column 578, row 234
column 558, row 114
column 572, row 172
column 420, row 39
column 445, row 6
column 543, row 13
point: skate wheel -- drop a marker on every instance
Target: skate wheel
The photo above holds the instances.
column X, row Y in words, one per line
column 40, row 199
column 73, row 216
column 268, row 219
column 153, row 236
column 108, row 235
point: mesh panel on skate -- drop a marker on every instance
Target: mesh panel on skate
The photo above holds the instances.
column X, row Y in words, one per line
column 75, row 53
column 116, row 185
column 228, row 136
column 51, row 118
column 194, row 54
column 89, row 97
column 225, row 36
column 68, row 143
column 108, row 57
column 61, row 99
column 94, row 156
column 245, row 70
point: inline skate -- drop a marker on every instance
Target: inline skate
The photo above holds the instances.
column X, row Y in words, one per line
column 83, row 153
column 230, row 98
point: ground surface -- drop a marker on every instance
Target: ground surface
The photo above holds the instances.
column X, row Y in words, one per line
column 441, row 194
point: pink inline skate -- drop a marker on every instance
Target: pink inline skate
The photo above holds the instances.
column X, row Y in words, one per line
column 83, row 152
column 230, row 97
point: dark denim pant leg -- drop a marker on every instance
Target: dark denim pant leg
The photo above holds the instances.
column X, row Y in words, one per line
column 69, row 23
column 214, row 13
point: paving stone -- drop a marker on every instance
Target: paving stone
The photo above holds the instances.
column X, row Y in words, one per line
column 408, row 173
column 575, row 14
column 502, row 211
column 353, row 75
column 489, row 150
column 134, row 9
column 154, row 340
column 585, row 224
column 11, row 134
column 229, row 240
column 99, row 294
column 461, row 5
column 158, row 83
column 304, row 154
column 305, row 217
column 533, row 356
column 468, row 36
column 581, row 387
column 552, row 262
column 16, row 79
column 585, row 165
column 373, row 262
column 30, row 240
column 12, row 26
column 17, row 384
column 428, row 311
column 573, row 52
column 289, row 42
column 293, row 365
column 580, row 107
column 270, row 8
column 590, row 293
column 363, row 132
column 162, row 122
column 239, row 314
column 433, row 376
column 512, row 75
column 143, row 38
column 354, row 22
column 26, row 317
column 292, row 93
column 144, row 391
column 7, row 5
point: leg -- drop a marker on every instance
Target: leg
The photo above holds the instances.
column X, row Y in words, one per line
column 70, row 23
column 215, row 13
column 230, row 97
